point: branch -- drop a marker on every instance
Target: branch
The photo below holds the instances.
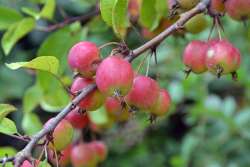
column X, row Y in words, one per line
column 27, row 150
column 201, row 7
column 83, row 18
column 6, row 159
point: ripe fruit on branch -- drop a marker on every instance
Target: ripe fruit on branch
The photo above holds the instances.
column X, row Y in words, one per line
column 134, row 8
column 83, row 155
column 163, row 103
column 222, row 58
column 217, row 6
column 78, row 120
column 26, row 163
column 194, row 57
column 196, row 24
column 62, row 135
column 63, row 157
column 144, row 93
column 114, row 76
column 82, row 57
column 238, row 9
column 100, row 149
column 116, row 109
column 188, row 4
column 93, row 100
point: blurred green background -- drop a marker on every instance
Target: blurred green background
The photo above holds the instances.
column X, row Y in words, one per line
column 209, row 121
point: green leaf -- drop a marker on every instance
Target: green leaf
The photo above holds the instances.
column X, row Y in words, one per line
column 120, row 20
column 8, row 16
column 54, row 96
column 43, row 63
column 152, row 11
column 16, row 32
column 31, row 12
column 147, row 13
column 99, row 116
column 106, row 7
column 32, row 98
column 5, row 109
column 48, row 9
column 114, row 13
column 7, row 151
column 7, row 126
column 44, row 163
column 31, row 123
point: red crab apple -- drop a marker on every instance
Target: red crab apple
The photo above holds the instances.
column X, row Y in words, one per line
column 217, row 6
column 144, row 93
column 194, row 56
column 163, row 103
column 117, row 109
column 26, row 163
column 238, row 9
column 134, row 8
column 114, row 76
column 78, row 120
column 100, row 149
column 93, row 100
column 82, row 56
column 83, row 155
column 222, row 58
column 63, row 158
column 62, row 134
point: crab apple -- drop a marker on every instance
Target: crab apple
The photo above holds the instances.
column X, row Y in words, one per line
column 144, row 93
column 62, row 134
column 26, row 163
column 222, row 58
column 63, row 158
column 82, row 56
column 114, row 76
column 100, row 149
column 217, row 6
column 238, row 9
column 188, row 4
column 78, row 120
column 194, row 56
column 83, row 155
column 163, row 103
column 117, row 109
column 93, row 100
column 134, row 8
column 196, row 24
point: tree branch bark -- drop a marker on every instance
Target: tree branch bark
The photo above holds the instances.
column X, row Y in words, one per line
column 83, row 18
column 27, row 150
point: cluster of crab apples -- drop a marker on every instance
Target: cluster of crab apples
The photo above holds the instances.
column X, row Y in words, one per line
column 217, row 56
column 63, row 149
column 119, row 88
